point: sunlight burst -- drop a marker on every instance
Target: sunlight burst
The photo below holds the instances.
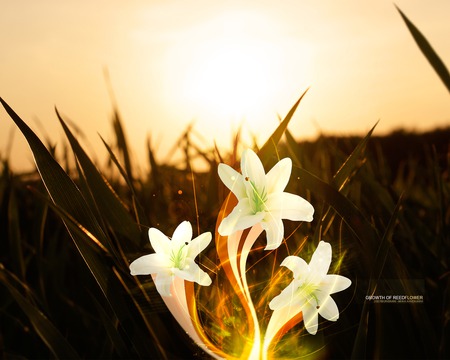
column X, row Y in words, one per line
column 230, row 68
column 232, row 77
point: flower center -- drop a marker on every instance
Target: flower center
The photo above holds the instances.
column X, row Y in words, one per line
column 257, row 199
column 308, row 291
column 178, row 258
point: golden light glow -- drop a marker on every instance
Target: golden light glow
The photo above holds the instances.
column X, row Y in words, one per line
column 231, row 68
column 232, row 77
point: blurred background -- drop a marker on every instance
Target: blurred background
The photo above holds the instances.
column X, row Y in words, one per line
column 218, row 65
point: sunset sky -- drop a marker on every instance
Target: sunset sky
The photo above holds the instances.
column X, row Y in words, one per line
column 220, row 65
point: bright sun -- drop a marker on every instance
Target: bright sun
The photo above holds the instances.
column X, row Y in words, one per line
column 229, row 68
column 232, row 76
column 235, row 71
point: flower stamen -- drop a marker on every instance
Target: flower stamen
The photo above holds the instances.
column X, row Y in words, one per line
column 258, row 199
column 261, row 198
column 178, row 258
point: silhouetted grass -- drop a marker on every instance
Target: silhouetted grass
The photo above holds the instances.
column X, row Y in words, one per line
column 405, row 174
column 68, row 234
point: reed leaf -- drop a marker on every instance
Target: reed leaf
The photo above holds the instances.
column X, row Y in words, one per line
column 73, row 225
column 48, row 333
column 427, row 50
column 110, row 324
column 59, row 185
column 269, row 147
column 352, row 162
column 137, row 207
column 65, row 194
column 14, row 232
column 353, row 217
column 108, row 203
column 122, row 143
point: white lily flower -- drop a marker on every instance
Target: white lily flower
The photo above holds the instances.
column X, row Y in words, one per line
column 310, row 290
column 261, row 198
column 173, row 258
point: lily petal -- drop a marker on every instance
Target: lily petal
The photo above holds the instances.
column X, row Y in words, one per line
column 163, row 281
column 160, row 242
column 198, row 244
column 310, row 318
column 278, row 176
column 285, row 298
column 182, row 234
column 329, row 309
column 148, row 264
column 253, row 170
column 240, row 218
column 321, row 259
column 232, row 180
column 194, row 273
column 311, row 288
column 275, row 231
column 296, row 264
column 289, row 206
column 334, row 283
column 260, row 193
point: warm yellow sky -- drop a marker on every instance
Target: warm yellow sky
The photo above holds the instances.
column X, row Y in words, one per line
column 220, row 64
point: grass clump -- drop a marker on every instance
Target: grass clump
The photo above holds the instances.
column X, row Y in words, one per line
column 67, row 242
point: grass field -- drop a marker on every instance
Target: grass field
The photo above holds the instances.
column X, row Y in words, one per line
column 382, row 202
column 70, row 230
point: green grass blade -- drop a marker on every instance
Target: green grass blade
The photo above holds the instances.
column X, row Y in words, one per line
column 73, row 225
column 122, row 143
column 139, row 212
column 118, row 128
column 345, row 171
column 156, row 179
column 67, row 196
column 109, row 205
column 265, row 153
column 113, row 294
column 352, row 216
column 38, row 240
column 48, row 333
column 15, row 236
column 59, row 185
column 137, row 207
column 428, row 51
column 110, row 324
column 116, row 162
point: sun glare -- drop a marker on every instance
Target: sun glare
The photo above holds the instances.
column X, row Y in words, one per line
column 230, row 68
column 232, row 76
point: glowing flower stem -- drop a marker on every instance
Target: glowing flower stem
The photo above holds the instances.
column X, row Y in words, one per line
column 232, row 252
column 233, row 259
column 178, row 305
column 280, row 322
column 255, row 231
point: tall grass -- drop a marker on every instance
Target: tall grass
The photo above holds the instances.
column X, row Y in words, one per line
column 68, row 234
column 383, row 202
